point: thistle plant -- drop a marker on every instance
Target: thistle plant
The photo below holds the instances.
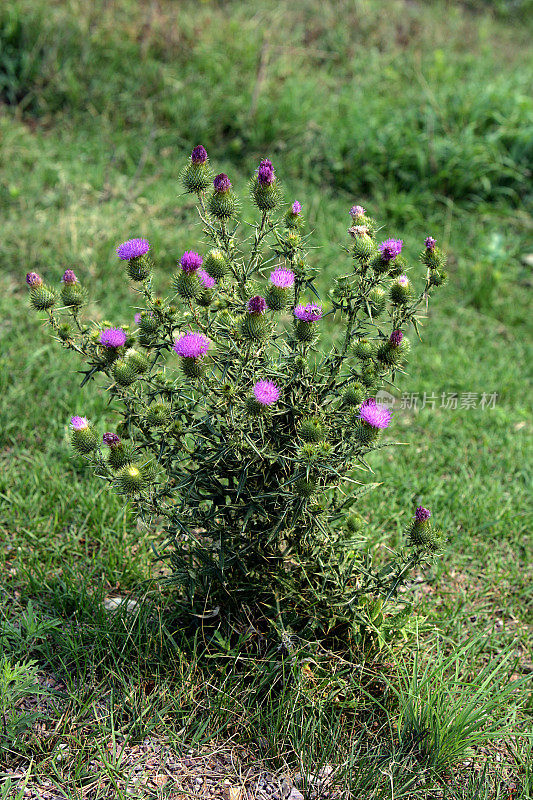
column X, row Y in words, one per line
column 237, row 429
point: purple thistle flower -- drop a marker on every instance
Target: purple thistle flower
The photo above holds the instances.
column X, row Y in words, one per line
column 266, row 393
column 308, row 313
column 377, row 416
column 430, row 243
column 390, row 248
column 222, row 183
column 256, row 305
column 191, row 261
column 403, row 280
column 296, row 208
column 422, row 514
column 199, row 154
column 206, row 280
column 133, row 248
column 357, row 211
column 137, row 317
column 192, row 345
column 265, row 173
column 113, row 337
column 79, row 423
column 282, row 278
column 111, row 440
column 396, row 338
column 32, row 279
column 69, row 276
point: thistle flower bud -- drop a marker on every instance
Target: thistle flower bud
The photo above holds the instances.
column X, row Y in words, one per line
column 305, row 319
column 364, row 349
column 129, row 480
column 147, row 322
column 432, row 256
column 32, row 279
column 134, row 251
column 187, row 285
column 265, row 394
column 192, row 349
column 119, row 454
column 265, row 189
column 373, row 419
column 354, row 395
column 355, row 523
column 394, row 351
column 254, row 324
column 293, row 217
column 305, row 487
column 72, row 294
column 377, row 300
column 197, row 175
column 357, row 213
column 123, row 372
column 369, row 375
column 363, row 247
column 437, row 277
column 311, row 430
column 281, row 282
column 400, row 290
column 222, row 203
column 41, row 297
column 159, row 414
column 216, row 264
column 82, row 437
column 138, row 361
column 421, row 534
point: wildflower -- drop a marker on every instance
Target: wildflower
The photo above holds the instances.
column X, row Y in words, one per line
column 282, row 278
column 192, row 345
column 199, row 154
column 256, row 305
column 32, row 279
column 222, row 183
column 206, row 280
column 265, row 173
column 395, row 338
column 69, row 276
column 374, row 415
column 296, row 208
column 82, row 437
column 133, row 248
column 422, row 514
column 111, row 440
column 191, row 261
column 309, row 313
column 113, row 337
column 266, row 393
column 430, row 243
column 357, row 211
column 390, row 248
column 79, row 423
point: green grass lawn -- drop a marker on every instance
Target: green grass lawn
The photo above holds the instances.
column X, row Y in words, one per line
column 420, row 111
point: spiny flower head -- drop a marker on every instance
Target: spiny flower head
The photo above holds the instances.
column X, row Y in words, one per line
column 390, row 248
column 256, row 305
column 296, row 208
column 113, row 337
column 422, row 514
column 430, row 243
column 111, row 440
column 396, row 338
column 133, row 248
column 282, row 277
column 308, row 313
column 377, row 416
column 222, row 183
column 69, row 276
column 32, row 279
column 265, row 173
column 199, row 154
column 403, row 280
column 357, row 211
column 192, row 345
column 206, row 280
column 191, row 261
column 266, row 393
column 79, row 423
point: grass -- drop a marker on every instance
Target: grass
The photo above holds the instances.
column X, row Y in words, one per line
column 430, row 126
